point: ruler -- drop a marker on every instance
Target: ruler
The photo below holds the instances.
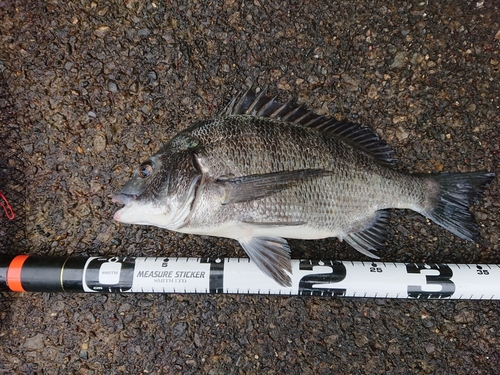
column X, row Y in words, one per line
column 330, row 278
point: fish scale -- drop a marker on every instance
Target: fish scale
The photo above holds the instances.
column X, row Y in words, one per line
column 315, row 196
column 263, row 171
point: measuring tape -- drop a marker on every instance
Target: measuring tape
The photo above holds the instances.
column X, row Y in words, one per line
column 25, row 273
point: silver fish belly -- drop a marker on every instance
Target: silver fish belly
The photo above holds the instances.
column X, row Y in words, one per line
column 263, row 171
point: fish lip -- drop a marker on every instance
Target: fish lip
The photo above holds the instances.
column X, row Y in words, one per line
column 124, row 199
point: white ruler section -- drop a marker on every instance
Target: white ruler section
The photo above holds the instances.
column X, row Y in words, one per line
column 318, row 278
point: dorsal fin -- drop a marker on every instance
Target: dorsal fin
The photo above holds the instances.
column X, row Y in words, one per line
column 250, row 103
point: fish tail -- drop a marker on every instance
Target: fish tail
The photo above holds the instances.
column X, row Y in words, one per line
column 456, row 193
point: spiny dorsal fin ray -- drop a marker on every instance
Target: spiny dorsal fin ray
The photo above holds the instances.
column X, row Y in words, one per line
column 260, row 105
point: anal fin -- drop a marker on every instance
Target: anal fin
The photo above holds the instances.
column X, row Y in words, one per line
column 272, row 256
column 372, row 237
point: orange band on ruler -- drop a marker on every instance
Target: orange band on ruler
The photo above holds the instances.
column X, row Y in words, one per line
column 14, row 273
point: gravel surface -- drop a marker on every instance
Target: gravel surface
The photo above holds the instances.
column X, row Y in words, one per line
column 93, row 88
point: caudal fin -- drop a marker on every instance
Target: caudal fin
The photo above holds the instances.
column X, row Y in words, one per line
column 457, row 192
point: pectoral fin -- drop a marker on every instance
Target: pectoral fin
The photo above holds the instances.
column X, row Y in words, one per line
column 257, row 186
column 272, row 256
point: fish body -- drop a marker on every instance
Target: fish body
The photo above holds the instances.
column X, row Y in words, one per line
column 263, row 171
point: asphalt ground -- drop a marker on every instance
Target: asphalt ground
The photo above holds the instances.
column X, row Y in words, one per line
column 89, row 89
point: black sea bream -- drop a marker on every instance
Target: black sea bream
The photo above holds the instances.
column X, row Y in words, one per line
column 263, row 171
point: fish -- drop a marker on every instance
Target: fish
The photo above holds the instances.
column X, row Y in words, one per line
column 262, row 171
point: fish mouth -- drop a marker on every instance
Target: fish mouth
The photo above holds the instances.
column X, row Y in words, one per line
column 124, row 199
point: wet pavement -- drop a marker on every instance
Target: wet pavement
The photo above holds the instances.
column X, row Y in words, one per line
column 89, row 89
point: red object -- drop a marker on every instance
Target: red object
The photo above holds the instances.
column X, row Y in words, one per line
column 14, row 273
column 4, row 203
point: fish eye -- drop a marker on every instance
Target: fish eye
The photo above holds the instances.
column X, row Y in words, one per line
column 145, row 169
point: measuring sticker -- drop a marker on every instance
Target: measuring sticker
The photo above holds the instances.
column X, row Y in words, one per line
column 241, row 276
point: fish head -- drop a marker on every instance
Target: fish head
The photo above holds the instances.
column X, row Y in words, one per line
column 160, row 191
